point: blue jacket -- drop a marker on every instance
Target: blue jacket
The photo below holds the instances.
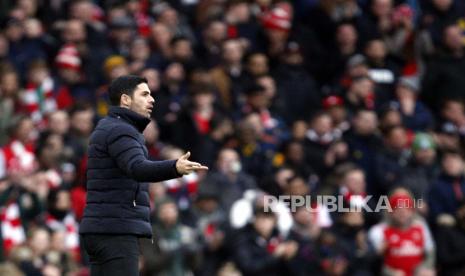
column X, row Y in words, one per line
column 117, row 174
column 442, row 198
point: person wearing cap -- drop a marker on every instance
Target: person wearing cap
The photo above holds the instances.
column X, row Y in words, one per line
column 360, row 94
column 68, row 64
column 448, row 136
column 301, row 100
column 356, row 66
column 122, row 31
column 415, row 115
column 422, row 168
column 117, row 211
column 336, row 109
column 403, row 239
column 113, row 67
column 277, row 24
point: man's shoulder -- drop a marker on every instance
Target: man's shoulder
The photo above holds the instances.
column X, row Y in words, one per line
column 114, row 128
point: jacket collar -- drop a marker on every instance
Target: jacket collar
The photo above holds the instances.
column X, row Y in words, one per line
column 138, row 121
column 452, row 179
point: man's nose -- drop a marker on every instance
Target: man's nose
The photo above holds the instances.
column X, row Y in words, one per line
column 151, row 100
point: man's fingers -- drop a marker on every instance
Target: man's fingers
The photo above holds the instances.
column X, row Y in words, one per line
column 201, row 168
column 186, row 155
column 194, row 164
column 190, row 166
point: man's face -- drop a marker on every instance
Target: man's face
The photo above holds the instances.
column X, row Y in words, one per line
column 402, row 216
column 153, row 78
column 264, row 225
column 269, row 84
column 376, row 50
column 453, row 165
column 382, row 8
column 24, row 131
column 298, row 187
column 365, row 123
column 453, row 38
column 216, row 32
column 453, row 111
column 397, row 139
column 232, row 51
column 258, row 65
column 323, row 125
column 59, row 122
column 442, row 5
column 228, row 162
column 355, row 182
column 182, row 50
column 425, row 156
column 346, row 35
column 40, row 241
column 141, row 101
column 168, row 214
column 74, row 31
column 82, row 122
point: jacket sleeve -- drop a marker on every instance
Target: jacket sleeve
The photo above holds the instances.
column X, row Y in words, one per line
column 128, row 153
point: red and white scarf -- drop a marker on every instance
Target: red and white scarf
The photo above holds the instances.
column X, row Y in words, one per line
column 12, row 229
column 190, row 181
column 70, row 226
column 18, row 157
column 183, row 189
column 38, row 100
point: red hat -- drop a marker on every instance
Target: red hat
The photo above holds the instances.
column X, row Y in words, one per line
column 68, row 58
column 278, row 18
column 331, row 101
column 401, row 199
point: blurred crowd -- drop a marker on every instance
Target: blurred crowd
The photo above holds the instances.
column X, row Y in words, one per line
column 356, row 98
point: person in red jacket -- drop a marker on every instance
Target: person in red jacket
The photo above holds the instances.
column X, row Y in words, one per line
column 403, row 239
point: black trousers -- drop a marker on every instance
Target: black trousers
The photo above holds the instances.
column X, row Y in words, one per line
column 112, row 255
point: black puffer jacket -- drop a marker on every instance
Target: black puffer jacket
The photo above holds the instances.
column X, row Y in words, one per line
column 117, row 197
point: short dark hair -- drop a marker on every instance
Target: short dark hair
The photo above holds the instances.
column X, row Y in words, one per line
column 124, row 85
column 177, row 39
column 451, row 152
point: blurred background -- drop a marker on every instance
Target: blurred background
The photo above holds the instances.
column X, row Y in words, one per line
column 354, row 98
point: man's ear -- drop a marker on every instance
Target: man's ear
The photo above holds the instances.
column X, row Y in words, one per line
column 125, row 100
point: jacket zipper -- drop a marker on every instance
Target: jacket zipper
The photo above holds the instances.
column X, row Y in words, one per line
column 135, row 196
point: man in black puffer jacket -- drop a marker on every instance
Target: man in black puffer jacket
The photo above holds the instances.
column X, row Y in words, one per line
column 117, row 211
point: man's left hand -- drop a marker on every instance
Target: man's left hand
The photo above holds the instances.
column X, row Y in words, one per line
column 184, row 166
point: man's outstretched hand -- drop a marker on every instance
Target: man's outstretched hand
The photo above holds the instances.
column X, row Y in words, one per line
column 184, row 166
